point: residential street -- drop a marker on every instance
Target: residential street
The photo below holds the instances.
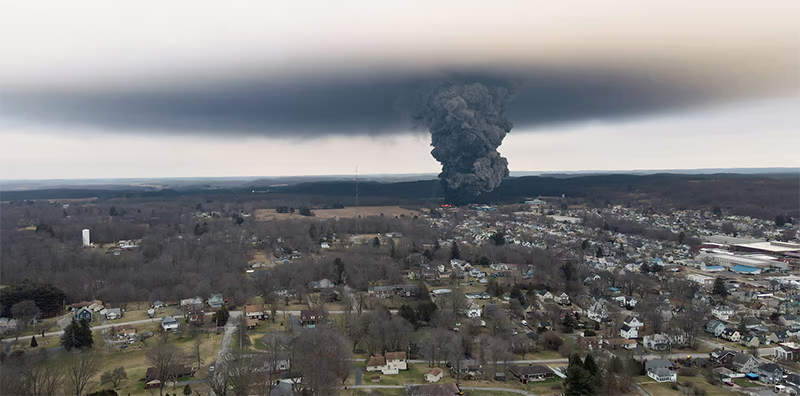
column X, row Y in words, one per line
column 100, row 327
column 475, row 388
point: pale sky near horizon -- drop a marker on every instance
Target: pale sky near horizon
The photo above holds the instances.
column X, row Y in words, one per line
column 92, row 89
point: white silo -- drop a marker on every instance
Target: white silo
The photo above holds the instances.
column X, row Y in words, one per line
column 86, row 240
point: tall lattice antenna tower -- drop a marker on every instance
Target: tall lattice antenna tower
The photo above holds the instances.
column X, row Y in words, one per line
column 358, row 217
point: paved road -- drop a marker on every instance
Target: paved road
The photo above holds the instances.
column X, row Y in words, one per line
column 100, row 327
column 225, row 344
column 761, row 351
column 543, row 361
column 475, row 388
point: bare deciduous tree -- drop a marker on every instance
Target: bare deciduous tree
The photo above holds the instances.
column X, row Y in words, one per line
column 164, row 357
column 80, row 369
column 321, row 358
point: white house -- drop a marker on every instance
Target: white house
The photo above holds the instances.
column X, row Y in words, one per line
column 169, row 323
column 390, row 363
column 434, row 375
column 662, row 374
column 633, row 322
column 113, row 313
column 474, row 311
column 597, row 311
column 628, row 332
column 722, row 312
column 562, row 299
column 324, row 245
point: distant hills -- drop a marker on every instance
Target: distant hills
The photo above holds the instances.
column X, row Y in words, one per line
column 761, row 195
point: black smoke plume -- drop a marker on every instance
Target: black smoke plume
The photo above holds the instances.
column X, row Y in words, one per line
column 467, row 123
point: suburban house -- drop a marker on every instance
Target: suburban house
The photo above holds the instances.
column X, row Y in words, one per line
column 562, row 299
column 191, row 303
column 158, row 304
column 656, row 342
column 7, row 324
column 533, row 372
column 788, row 320
column 474, row 311
column 83, row 314
column 744, row 363
column 282, row 362
column 715, row 327
column 722, row 312
column 389, row 363
column 787, row 351
column 321, row 284
column 752, row 323
column 658, row 363
column 661, row 374
column 660, row 370
column 151, row 381
column 770, row 373
column 749, row 340
column 628, row 332
column 113, row 313
column 94, row 305
column 310, row 317
column 722, row 356
column 434, row 375
column 196, row 317
column 597, row 311
column 589, row 343
column 254, row 312
column 731, row 335
column 124, row 331
column 633, row 322
column 545, row 295
column 169, row 323
column 615, row 343
column 216, row 301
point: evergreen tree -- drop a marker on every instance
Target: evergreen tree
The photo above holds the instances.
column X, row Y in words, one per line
column 499, row 238
column 34, row 344
column 779, row 221
column 455, row 252
column 579, row 381
column 221, row 316
column 338, row 265
column 719, row 288
column 569, row 323
column 78, row 334
column 376, row 242
column 187, row 390
column 591, row 366
column 408, row 313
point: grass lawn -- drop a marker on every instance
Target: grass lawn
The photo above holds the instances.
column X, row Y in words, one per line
column 745, row 383
column 134, row 359
column 542, row 355
column 664, row 389
column 376, row 392
column 414, row 375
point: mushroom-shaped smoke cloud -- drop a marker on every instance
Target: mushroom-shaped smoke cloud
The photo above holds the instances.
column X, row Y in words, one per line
column 467, row 124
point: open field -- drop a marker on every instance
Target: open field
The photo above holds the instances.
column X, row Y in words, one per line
column 351, row 212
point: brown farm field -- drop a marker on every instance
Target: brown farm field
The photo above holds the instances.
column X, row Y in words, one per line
column 350, row 212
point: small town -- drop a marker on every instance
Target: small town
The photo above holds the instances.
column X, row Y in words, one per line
column 495, row 298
